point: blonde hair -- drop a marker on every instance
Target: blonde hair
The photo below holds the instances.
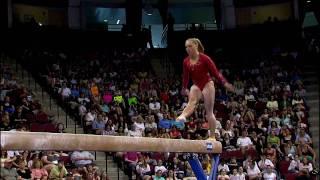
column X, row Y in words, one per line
column 198, row 43
column 34, row 163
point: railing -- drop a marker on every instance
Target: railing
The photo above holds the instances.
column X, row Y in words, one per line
column 45, row 88
column 57, row 105
column 176, row 27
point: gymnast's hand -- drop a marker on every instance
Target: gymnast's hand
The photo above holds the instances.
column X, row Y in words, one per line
column 229, row 87
column 185, row 92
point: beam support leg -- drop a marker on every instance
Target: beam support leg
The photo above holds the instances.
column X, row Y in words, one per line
column 214, row 167
column 197, row 168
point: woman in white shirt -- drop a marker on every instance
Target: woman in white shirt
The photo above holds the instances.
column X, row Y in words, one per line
column 294, row 164
column 242, row 175
column 143, row 169
column 272, row 104
column 269, row 174
column 253, row 170
column 305, row 165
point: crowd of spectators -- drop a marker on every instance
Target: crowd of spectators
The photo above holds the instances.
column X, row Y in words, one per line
column 263, row 126
column 21, row 112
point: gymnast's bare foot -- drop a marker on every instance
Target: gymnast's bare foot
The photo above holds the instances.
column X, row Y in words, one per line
column 181, row 119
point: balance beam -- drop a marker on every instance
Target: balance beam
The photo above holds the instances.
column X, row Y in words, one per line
column 71, row 142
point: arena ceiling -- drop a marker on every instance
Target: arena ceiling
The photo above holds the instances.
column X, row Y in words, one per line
column 64, row 3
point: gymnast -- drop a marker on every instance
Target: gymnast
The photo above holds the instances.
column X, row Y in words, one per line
column 199, row 67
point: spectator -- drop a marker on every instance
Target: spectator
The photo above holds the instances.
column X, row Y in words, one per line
column 284, row 103
column 305, row 151
column 257, row 141
column 38, row 172
column 290, row 148
column 91, row 172
column 98, row 124
column 297, row 100
column 23, row 170
column 154, row 106
column 109, row 131
column 233, row 164
column 244, row 142
column 268, row 173
column 286, row 118
column 189, row 174
column 302, row 136
column 223, row 166
column 139, row 124
column 158, row 175
column 133, row 132
column 294, row 164
column 49, row 158
column 223, row 175
column 305, row 165
column 242, row 175
column 143, row 169
column 274, row 118
column 273, row 139
column 60, row 128
column 130, row 160
column 34, row 157
column 89, row 118
column 272, row 104
column 150, row 124
column 58, row 171
column 234, row 175
column 264, row 163
column 175, row 133
column 171, row 175
column 253, row 171
column 160, row 167
column 8, row 172
column 81, row 158
column 271, row 153
column 274, row 127
column 65, row 92
column 285, row 134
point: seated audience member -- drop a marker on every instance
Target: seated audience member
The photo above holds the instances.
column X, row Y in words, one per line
column 253, row 171
column 223, row 175
column 58, row 171
column 303, row 136
column 81, row 158
column 161, row 167
column 294, row 164
column 8, row 172
column 264, row 163
column 91, row 172
column 143, row 169
column 23, row 170
column 158, row 175
column 305, row 150
column 98, row 124
column 234, row 175
column 268, row 173
column 38, row 172
column 305, row 165
column 244, row 142
column 130, row 162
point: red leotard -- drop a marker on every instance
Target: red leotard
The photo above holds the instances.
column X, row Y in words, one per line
column 201, row 72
